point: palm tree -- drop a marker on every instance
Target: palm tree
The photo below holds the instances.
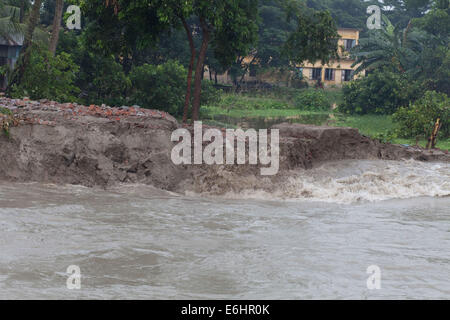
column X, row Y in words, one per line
column 9, row 21
column 13, row 23
column 391, row 47
column 24, row 59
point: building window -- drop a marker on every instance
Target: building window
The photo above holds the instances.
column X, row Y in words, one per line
column 315, row 74
column 299, row 72
column 3, row 51
column 329, row 74
column 349, row 43
column 347, row 75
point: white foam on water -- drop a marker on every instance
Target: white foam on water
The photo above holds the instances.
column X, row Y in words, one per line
column 347, row 182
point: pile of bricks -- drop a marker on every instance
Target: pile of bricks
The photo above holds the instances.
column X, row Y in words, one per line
column 74, row 110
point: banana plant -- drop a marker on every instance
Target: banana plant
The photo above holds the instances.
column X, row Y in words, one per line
column 392, row 47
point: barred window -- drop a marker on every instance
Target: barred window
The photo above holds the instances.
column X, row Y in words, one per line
column 329, row 74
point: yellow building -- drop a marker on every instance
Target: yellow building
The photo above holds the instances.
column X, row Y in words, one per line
column 335, row 72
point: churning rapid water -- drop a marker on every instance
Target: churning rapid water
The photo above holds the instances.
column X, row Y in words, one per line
column 312, row 238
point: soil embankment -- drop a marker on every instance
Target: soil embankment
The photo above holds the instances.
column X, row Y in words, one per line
column 103, row 146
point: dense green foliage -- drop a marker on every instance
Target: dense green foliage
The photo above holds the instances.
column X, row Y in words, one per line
column 287, row 99
column 418, row 119
column 247, row 102
column 107, row 83
column 390, row 47
column 138, row 52
column 101, row 79
column 381, row 92
column 346, row 13
column 312, row 99
column 434, row 64
column 167, row 87
column 49, row 77
column 265, row 108
column 405, row 58
column 9, row 20
column 166, row 82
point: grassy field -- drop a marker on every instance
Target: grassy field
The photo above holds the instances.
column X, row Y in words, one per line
column 261, row 110
column 373, row 125
column 211, row 111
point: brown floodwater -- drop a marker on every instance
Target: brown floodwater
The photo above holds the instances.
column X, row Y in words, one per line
column 313, row 239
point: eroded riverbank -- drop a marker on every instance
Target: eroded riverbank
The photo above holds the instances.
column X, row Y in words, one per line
column 152, row 230
column 102, row 146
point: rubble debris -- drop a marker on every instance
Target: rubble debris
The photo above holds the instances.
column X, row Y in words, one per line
column 74, row 111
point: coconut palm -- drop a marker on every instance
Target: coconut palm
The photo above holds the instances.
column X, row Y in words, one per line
column 13, row 22
column 28, row 34
column 9, row 21
column 392, row 47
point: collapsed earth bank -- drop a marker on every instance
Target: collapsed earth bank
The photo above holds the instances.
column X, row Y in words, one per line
column 44, row 141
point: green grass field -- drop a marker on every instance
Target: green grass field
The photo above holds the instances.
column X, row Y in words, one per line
column 373, row 125
column 261, row 110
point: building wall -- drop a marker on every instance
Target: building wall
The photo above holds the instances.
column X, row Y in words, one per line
column 9, row 52
column 338, row 67
column 8, row 56
column 345, row 63
column 225, row 78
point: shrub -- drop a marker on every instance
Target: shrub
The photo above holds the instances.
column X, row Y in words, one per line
column 159, row 86
column 163, row 87
column 101, row 77
column 48, row 77
column 299, row 84
column 278, row 93
column 210, row 94
column 312, row 99
column 419, row 118
column 249, row 102
column 385, row 136
column 381, row 92
column 104, row 82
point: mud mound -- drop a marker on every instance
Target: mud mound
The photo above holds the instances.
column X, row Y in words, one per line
column 102, row 146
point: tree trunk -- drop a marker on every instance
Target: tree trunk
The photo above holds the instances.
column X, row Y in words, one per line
column 199, row 69
column 234, row 76
column 191, row 67
column 432, row 140
column 32, row 23
column 25, row 52
column 243, row 75
column 22, row 13
column 56, row 26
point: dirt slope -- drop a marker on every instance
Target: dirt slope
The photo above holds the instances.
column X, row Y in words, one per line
column 102, row 146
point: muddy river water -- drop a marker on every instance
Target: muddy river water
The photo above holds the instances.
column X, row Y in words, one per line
column 314, row 239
